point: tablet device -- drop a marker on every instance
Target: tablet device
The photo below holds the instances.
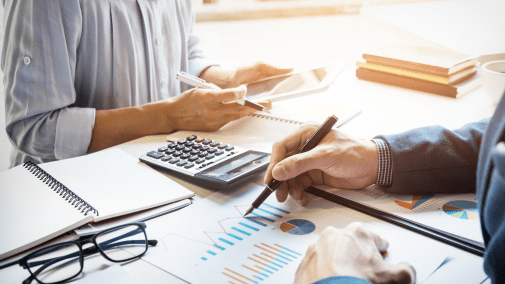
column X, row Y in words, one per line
column 294, row 84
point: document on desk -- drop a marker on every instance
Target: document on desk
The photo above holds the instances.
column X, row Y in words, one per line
column 211, row 241
column 456, row 214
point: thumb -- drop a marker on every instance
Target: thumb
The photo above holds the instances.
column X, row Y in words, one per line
column 296, row 165
column 402, row 273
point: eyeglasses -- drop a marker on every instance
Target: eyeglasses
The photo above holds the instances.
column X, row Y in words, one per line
column 61, row 262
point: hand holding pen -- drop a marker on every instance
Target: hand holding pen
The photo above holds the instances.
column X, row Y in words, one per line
column 312, row 141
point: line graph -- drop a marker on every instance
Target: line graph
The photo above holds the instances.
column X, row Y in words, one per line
column 233, row 229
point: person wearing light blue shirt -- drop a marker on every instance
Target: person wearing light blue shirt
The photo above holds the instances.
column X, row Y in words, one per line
column 85, row 75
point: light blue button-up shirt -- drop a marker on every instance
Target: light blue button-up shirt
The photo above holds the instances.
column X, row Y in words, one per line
column 64, row 59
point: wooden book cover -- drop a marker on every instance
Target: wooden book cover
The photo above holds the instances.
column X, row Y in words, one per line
column 440, row 79
column 453, row 91
column 424, row 59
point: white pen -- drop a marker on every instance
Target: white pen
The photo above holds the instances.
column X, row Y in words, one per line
column 200, row 83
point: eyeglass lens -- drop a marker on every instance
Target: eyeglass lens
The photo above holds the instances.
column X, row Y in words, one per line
column 131, row 238
column 55, row 264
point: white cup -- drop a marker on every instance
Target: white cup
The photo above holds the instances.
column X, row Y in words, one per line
column 493, row 79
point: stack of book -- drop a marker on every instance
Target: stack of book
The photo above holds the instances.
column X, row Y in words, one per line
column 438, row 71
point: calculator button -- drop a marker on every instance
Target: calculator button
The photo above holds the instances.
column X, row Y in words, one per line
column 191, row 138
column 174, row 160
column 179, row 147
column 189, row 165
column 185, row 150
column 220, row 152
column 194, row 152
column 177, row 153
column 199, row 161
column 170, row 151
column 222, row 146
column 155, row 154
column 199, row 139
column 204, row 148
column 189, row 143
column 181, row 163
column 173, row 145
column 166, row 158
column 206, row 142
column 182, row 141
column 196, row 146
column 162, row 149
column 229, row 148
column 193, row 158
column 212, row 150
column 185, row 156
column 209, row 156
column 214, row 144
column 203, row 154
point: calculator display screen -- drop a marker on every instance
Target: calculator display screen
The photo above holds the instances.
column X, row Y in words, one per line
column 229, row 167
column 237, row 168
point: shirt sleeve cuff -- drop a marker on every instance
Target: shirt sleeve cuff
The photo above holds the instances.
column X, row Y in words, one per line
column 73, row 132
column 385, row 177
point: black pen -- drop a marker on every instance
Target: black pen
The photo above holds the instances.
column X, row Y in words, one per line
column 312, row 142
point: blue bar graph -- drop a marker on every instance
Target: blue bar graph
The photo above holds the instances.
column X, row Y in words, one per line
column 273, row 207
column 203, row 258
column 262, row 217
column 288, row 254
column 285, row 263
column 233, row 236
column 291, row 251
column 240, row 231
column 268, row 212
column 258, row 278
column 226, row 241
column 263, row 274
column 284, row 257
column 250, row 227
column 219, row 247
column 211, row 252
column 273, row 268
column 256, row 222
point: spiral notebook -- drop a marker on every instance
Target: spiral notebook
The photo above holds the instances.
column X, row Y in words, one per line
column 261, row 129
column 40, row 202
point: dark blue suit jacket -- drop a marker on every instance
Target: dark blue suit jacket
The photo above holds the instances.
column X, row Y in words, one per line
column 435, row 159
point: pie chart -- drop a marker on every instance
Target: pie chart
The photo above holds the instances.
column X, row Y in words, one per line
column 298, row 227
column 461, row 209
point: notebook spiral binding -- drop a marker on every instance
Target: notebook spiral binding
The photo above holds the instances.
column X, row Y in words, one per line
column 276, row 118
column 58, row 187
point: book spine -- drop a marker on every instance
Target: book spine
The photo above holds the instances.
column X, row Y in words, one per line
column 407, row 65
column 405, row 82
column 59, row 188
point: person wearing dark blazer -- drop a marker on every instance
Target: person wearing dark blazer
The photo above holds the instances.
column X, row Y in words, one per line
column 425, row 160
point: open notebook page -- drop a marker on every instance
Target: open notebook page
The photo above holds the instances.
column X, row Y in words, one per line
column 260, row 130
column 115, row 183
column 31, row 212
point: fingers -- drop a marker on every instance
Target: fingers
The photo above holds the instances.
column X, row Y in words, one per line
column 270, row 70
column 282, row 192
column 401, row 273
column 228, row 95
column 297, row 164
column 291, row 143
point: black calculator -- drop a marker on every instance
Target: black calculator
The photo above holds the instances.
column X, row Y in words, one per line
column 208, row 163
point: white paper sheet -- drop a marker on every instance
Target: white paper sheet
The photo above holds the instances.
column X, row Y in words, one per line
column 210, row 242
column 112, row 275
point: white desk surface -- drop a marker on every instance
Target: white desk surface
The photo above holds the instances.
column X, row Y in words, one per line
column 386, row 110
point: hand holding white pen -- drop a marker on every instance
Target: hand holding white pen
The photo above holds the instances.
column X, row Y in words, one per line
column 200, row 83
